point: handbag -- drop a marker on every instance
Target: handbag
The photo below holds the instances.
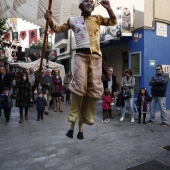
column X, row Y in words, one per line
column 120, row 99
column 126, row 93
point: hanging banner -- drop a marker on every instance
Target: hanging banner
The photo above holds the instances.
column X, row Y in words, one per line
column 7, row 37
column 23, row 34
column 41, row 31
column 33, row 36
column 14, row 36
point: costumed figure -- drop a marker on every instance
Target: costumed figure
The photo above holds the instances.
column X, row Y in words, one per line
column 86, row 85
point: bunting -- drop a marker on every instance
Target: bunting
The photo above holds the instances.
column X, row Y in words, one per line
column 7, row 37
column 41, row 31
column 14, row 36
column 23, row 34
column 33, row 36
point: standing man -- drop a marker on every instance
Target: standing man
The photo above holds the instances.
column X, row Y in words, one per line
column 159, row 84
column 46, row 82
column 5, row 80
column 33, row 81
column 86, row 85
column 111, row 84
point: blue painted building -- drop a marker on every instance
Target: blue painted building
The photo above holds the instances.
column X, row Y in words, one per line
column 153, row 49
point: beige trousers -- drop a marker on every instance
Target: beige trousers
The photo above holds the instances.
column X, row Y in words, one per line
column 86, row 87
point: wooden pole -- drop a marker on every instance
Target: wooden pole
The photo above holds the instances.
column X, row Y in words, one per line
column 44, row 42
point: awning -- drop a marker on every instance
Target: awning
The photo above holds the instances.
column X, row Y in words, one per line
column 33, row 10
column 36, row 66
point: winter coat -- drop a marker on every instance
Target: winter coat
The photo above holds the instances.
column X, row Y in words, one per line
column 57, row 84
column 6, row 82
column 159, row 84
column 142, row 103
column 5, row 101
column 43, row 81
column 40, row 103
column 67, row 81
column 106, row 101
column 114, row 84
column 23, row 94
column 130, row 83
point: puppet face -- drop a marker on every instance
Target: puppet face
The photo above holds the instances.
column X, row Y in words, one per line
column 87, row 6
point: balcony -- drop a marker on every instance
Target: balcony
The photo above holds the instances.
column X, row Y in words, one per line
column 61, row 40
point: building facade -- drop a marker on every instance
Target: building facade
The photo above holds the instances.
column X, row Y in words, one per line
column 145, row 45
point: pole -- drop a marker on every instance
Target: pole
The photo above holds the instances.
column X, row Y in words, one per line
column 44, row 42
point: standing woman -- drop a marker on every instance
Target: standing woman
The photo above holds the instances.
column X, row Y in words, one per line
column 57, row 90
column 23, row 96
column 128, row 81
column 67, row 80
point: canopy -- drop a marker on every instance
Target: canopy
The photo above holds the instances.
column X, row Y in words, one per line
column 36, row 66
column 33, row 10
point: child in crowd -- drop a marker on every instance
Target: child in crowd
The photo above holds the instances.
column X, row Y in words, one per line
column 40, row 105
column 6, row 103
column 106, row 105
column 142, row 104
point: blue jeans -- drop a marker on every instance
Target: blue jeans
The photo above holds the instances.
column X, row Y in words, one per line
column 123, row 109
column 162, row 104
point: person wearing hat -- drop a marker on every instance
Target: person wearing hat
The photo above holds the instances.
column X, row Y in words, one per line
column 86, row 85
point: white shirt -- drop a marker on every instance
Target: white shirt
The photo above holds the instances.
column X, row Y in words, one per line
column 110, row 84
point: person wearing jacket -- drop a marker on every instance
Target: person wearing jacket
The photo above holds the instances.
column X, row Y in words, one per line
column 5, row 80
column 57, row 90
column 142, row 104
column 23, row 96
column 128, row 82
column 159, row 84
column 41, row 103
column 106, row 105
column 110, row 83
column 6, row 103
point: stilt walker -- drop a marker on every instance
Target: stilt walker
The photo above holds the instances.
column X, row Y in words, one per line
column 86, row 85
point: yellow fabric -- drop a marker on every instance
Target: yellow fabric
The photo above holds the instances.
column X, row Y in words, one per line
column 93, row 25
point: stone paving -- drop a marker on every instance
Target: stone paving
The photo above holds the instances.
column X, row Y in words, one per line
column 43, row 145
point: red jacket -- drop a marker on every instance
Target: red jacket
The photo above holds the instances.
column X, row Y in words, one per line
column 57, row 84
column 106, row 100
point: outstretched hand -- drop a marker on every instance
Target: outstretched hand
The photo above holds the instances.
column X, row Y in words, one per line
column 48, row 14
column 105, row 4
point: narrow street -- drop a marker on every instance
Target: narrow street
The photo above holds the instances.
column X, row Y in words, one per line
column 43, row 145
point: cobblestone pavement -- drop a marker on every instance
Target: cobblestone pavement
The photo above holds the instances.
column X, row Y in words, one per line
column 43, row 145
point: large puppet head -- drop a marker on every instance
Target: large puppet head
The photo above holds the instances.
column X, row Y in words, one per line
column 86, row 6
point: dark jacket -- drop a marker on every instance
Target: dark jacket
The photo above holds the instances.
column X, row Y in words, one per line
column 40, row 103
column 159, row 84
column 114, row 84
column 5, row 101
column 23, row 94
column 6, row 82
column 43, row 81
column 142, row 101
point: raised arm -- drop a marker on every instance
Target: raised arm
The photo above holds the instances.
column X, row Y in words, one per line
column 56, row 28
column 112, row 20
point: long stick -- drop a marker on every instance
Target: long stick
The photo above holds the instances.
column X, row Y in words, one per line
column 44, row 42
